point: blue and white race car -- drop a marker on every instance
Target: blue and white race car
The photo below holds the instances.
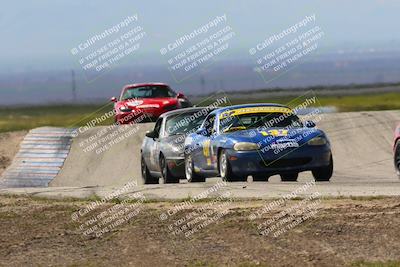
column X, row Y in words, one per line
column 260, row 140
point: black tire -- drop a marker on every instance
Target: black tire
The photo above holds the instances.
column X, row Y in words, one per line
column 260, row 178
column 191, row 175
column 225, row 170
column 166, row 175
column 289, row 177
column 397, row 157
column 146, row 176
column 323, row 174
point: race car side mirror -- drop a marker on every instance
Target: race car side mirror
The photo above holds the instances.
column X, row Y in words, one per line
column 309, row 124
column 202, row 131
column 151, row 134
column 113, row 99
column 180, row 95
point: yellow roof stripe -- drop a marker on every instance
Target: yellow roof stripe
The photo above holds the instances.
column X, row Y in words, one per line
column 249, row 110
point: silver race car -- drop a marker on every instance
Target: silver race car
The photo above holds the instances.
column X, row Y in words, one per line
column 162, row 152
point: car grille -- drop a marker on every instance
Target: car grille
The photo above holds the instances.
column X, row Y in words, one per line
column 284, row 162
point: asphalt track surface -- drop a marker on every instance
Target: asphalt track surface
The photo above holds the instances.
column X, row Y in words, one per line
column 361, row 145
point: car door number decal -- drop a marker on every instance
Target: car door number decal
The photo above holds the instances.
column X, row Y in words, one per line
column 206, row 148
column 206, row 151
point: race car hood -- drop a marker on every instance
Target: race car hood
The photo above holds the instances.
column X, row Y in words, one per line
column 149, row 102
column 270, row 136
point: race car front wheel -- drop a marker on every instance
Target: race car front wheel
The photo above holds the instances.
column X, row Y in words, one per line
column 323, row 174
column 146, row 176
column 166, row 173
column 191, row 176
column 225, row 170
column 397, row 158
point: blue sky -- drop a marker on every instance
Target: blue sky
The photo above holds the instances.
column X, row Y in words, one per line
column 36, row 32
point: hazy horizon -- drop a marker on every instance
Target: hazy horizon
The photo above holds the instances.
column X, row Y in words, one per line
column 47, row 30
column 361, row 44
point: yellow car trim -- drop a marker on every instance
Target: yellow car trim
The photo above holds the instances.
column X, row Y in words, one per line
column 240, row 111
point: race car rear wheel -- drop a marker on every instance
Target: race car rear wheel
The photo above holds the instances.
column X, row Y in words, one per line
column 323, row 174
column 289, row 177
column 191, row 176
column 260, row 178
column 225, row 170
column 165, row 172
column 146, row 176
column 397, row 157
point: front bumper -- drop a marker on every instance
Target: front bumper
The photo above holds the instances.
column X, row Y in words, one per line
column 146, row 114
column 290, row 160
column 137, row 116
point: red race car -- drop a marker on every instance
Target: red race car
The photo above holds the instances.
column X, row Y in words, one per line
column 396, row 150
column 149, row 99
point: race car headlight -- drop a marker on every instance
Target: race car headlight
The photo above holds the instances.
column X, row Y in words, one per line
column 125, row 109
column 245, row 146
column 317, row 141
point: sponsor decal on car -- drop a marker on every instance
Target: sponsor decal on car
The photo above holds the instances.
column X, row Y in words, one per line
column 250, row 110
column 275, row 132
column 284, row 143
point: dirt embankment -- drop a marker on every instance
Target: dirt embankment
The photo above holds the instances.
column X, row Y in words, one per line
column 9, row 146
column 344, row 232
column 118, row 164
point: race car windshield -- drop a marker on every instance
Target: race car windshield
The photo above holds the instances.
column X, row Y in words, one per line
column 153, row 91
column 184, row 123
column 267, row 120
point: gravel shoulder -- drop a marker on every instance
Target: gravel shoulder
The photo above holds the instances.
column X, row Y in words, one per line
column 9, row 146
column 344, row 232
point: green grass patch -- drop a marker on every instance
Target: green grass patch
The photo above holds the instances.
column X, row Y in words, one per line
column 25, row 118
column 376, row 264
column 368, row 102
column 363, row 102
